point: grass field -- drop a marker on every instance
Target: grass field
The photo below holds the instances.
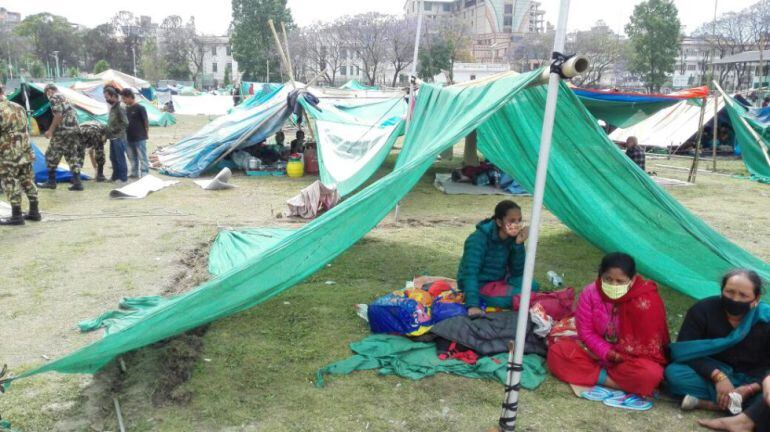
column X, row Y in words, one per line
column 254, row 371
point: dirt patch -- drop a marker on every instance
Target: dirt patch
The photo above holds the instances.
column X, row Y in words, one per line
column 178, row 357
column 194, row 269
column 427, row 223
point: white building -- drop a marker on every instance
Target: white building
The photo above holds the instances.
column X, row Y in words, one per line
column 693, row 63
column 8, row 18
column 464, row 72
column 217, row 59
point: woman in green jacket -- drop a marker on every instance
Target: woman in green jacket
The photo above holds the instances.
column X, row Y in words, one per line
column 492, row 265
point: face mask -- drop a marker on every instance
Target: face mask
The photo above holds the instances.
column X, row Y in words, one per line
column 615, row 292
column 735, row 308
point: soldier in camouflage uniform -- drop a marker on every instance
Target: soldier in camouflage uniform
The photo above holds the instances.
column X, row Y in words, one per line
column 64, row 134
column 16, row 156
column 92, row 137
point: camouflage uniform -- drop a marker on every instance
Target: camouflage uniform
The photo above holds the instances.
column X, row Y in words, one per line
column 66, row 138
column 93, row 136
column 16, row 155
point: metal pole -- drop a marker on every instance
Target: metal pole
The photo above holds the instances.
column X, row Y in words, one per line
column 56, row 57
column 412, row 87
column 133, row 53
column 714, row 78
column 513, row 383
column 267, row 79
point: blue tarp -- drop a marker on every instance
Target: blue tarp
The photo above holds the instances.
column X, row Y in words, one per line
column 41, row 170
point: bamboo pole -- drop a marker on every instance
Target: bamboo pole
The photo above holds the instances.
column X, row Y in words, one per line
column 694, row 167
column 281, row 53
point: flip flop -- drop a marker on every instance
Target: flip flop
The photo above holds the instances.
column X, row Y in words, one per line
column 629, row 402
column 599, row 393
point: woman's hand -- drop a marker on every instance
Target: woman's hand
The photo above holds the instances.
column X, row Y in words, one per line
column 724, row 388
column 766, row 390
column 522, row 236
column 512, row 229
column 474, row 312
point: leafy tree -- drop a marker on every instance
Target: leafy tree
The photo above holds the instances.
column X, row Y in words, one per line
column 48, row 33
column 153, row 66
column 73, row 72
column 101, row 43
column 36, row 69
column 101, row 66
column 435, row 58
column 654, row 32
column 228, row 76
column 252, row 41
column 131, row 33
column 178, row 39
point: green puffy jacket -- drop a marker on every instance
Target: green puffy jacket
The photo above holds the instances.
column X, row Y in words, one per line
column 487, row 258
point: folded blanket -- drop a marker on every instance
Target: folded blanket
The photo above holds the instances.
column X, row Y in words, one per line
column 398, row 355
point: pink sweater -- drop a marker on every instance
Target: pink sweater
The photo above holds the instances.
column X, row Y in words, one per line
column 592, row 317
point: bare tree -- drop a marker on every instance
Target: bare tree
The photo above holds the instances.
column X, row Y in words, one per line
column 602, row 46
column 400, row 45
column 731, row 35
column 531, row 51
column 759, row 23
column 366, row 35
column 455, row 33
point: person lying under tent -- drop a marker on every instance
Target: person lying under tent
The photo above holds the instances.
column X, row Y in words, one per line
column 756, row 418
column 492, row 265
column 723, row 350
column 622, row 337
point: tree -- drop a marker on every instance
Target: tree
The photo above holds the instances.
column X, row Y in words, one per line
column 455, row 34
column 400, row 45
column 603, row 47
column 759, row 24
column 131, row 32
column 73, row 72
column 324, row 50
column 153, row 66
column 366, row 35
column 101, row 66
column 251, row 39
column 101, row 43
column 434, row 58
column 48, row 33
column 228, row 76
column 731, row 35
column 531, row 50
column 178, row 42
column 36, row 69
column 654, row 32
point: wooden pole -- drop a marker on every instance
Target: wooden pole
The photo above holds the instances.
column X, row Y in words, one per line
column 714, row 139
column 281, row 54
column 288, row 54
column 694, row 167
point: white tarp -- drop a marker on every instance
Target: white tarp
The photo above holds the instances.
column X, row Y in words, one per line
column 670, row 127
column 220, row 182
column 5, row 209
column 122, row 79
column 202, row 105
column 141, row 188
column 81, row 101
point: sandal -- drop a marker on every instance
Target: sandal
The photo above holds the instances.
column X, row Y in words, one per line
column 599, row 393
column 629, row 402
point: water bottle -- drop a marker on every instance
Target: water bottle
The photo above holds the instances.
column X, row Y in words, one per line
column 555, row 279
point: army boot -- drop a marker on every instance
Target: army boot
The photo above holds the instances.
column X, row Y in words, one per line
column 51, row 183
column 76, row 184
column 16, row 217
column 100, row 174
column 34, row 213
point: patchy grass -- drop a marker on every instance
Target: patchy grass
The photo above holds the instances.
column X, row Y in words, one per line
column 255, row 370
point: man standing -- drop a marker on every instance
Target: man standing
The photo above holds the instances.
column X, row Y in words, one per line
column 634, row 152
column 137, row 133
column 16, row 157
column 64, row 136
column 116, row 132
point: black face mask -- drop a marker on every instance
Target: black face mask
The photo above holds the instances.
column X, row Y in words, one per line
column 735, row 308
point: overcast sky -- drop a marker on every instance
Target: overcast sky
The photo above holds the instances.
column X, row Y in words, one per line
column 214, row 17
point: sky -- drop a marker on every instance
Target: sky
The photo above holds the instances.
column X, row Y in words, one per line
column 215, row 20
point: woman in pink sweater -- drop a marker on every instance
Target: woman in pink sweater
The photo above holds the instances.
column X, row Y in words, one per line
column 622, row 333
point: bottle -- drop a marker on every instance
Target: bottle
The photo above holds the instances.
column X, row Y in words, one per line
column 555, row 279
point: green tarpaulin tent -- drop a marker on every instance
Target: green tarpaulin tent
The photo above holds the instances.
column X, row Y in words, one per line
column 592, row 187
column 754, row 156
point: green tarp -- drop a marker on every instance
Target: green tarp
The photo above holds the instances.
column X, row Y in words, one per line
column 357, row 85
column 754, row 156
column 592, row 187
column 398, row 355
column 233, row 248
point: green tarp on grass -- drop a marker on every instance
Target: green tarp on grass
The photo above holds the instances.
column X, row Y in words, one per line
column 398, row 355
column 592, row 187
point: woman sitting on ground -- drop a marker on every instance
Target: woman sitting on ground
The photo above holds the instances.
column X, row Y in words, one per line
column 723, row 350
column 622, row 335
column 756, row 418
column 492, row 265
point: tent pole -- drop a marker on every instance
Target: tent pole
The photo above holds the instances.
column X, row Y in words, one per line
column 513, row 382
column 412, row 86
column 288, row 54
column 714, row 131
column 694, row 166
column 281, row 53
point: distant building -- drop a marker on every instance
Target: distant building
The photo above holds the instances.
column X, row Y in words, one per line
column 693, row 63
column 217, row 58
column 464, row 72
column 490, row 23
column 9, row 19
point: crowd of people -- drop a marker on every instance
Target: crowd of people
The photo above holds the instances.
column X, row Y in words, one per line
column 127, row 130
column 622, row 352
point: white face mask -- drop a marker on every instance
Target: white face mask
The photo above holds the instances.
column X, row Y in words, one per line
column 615, row 292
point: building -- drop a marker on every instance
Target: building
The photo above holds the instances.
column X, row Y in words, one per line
column 9, row 19
column 464, row 72
column 693, row 63
column 748, row 69
column 490, row 23
column 217, row 60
